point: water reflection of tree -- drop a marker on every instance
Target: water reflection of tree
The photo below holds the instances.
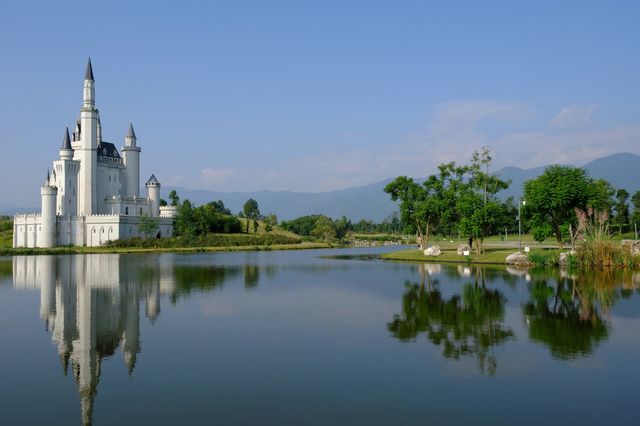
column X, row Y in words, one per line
column 467, row 324
column 566, row 313
column 251, row 276
column 189, row 278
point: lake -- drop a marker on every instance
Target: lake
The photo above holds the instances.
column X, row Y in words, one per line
column 304, row 338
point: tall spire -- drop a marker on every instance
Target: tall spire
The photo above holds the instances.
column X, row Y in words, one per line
column 130, row 132
column 88, row 75
column 66, row 142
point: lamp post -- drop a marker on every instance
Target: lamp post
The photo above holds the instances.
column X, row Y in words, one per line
column 520, row 204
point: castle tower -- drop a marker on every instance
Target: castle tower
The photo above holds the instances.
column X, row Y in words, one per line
column 153, row 192
column 66, row 170
column 87, row 151
column 49, row 193
column 131, row 158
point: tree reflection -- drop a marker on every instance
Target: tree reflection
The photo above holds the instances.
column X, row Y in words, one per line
column 204, row 278
column 567, row 316
column 467, row 324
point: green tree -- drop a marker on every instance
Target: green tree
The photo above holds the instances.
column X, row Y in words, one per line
column 419, row 206
column 251, row 211
column 163, row 202
column 635, row 217
column 621, row 218
column 324, row 229
column 173, row 197
column 269, row 221
column 480, row 210
column 148, row 225
column 186, row 220
column 552, row 197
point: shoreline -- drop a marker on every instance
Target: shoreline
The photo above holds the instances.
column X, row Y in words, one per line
column 134, row 250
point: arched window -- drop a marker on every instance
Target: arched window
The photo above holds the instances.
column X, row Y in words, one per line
column 140, row 211
column 126, row 211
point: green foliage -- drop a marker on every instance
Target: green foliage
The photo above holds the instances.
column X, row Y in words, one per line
column 173, row 197
column 251, row 211
column 163, row 202
column 635, row 217
column 148, row 225
column 565, row 316
column 467, row 324
column 622, row 217
column 552, row 197
column 320, row 227
column 205, row 219
column 210, row 240
column 6, row 231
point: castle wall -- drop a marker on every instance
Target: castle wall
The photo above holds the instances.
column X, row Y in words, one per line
column 109, row 183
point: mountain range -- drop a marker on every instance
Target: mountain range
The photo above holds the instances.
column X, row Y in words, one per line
column 372, row 203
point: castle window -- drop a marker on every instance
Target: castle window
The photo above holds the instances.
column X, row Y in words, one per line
column 140, row 211
column 126, row 211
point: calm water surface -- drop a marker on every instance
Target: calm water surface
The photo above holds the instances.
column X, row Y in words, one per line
column 297, row 338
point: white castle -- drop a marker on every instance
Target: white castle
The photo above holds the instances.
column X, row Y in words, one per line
column 93, row 193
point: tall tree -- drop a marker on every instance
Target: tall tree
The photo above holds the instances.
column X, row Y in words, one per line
column 173, row 198
column 251, row 211
column 635, row 217
column 481, row 211
column 621, row 219
column 419, row 206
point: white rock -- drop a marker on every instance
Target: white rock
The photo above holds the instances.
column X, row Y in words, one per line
column 432, row 251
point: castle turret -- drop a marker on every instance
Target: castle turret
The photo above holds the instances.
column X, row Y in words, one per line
column 66, row 178
column 66, row 152
column 47, row 235
column 86, row 152
column 153, row 192
column 131, row 158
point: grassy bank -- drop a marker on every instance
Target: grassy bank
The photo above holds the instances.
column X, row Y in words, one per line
column 305, row 245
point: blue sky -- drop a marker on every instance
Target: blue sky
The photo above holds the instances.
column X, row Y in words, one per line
column 315, row 96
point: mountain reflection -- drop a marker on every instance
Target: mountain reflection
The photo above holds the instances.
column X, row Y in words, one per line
column 568, row 313
column 91, row 305
column 466, row 324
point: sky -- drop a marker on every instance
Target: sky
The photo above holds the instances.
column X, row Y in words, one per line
column 318, row 95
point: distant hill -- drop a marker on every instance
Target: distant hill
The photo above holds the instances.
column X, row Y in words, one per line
column 363, row 202
column 621, row 170
column 371, row 203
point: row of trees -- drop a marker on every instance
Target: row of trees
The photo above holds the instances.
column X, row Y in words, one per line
column 328, row 229
column 459, row 200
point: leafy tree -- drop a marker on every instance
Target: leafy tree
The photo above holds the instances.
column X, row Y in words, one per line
column 480, row 210
column 219, row 207
column 173, row 197
column 163, row 202
column 635, row 217
column 621, row 218
column 552, row 197
column 419, row 206
column 186, row 220
column 324, row 229
column 251, row 211
column 268, row 223
column 255, row 226
column 148, row 225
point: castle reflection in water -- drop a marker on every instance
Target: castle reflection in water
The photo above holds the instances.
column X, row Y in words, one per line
column 91, row 305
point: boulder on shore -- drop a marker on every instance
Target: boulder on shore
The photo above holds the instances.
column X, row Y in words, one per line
column 462, row 248
column 432, row 251
column 634, row 246
column 518, row 259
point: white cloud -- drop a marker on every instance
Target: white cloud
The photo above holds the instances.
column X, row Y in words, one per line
column 213, row 177
column 574, row 116
column 456, row 130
